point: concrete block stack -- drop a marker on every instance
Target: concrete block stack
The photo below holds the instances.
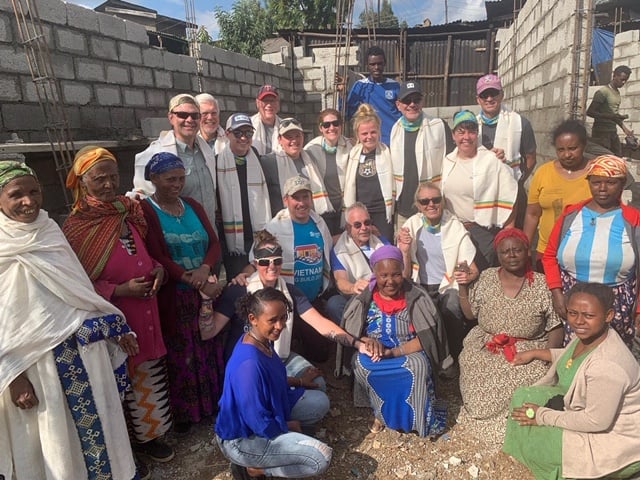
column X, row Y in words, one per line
column 627, row 52
column 534, row 62
column 111, row 78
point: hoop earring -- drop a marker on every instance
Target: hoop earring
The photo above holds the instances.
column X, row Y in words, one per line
column 246, row 328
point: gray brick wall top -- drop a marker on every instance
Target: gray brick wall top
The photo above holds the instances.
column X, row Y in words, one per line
column 111, row 79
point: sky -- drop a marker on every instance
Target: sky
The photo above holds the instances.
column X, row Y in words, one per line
column 403, row 9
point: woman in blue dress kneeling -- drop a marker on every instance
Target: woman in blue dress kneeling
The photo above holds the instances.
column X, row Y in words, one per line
column 256, row 427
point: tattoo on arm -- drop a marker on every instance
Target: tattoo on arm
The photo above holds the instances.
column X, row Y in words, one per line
column 343, row 339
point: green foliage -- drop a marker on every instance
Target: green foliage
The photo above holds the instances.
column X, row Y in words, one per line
column 203, row 36
column 369, row 18
column 244, row 28
column 249, row 23
column 302, row 14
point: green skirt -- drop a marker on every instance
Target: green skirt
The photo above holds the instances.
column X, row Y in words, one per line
column 539, row 448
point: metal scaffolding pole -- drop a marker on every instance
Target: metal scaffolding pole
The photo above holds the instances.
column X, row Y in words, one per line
column 47, row 88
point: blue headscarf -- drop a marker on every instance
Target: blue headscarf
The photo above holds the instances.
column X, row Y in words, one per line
column 162, row 162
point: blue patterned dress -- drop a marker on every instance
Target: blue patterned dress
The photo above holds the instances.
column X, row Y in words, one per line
column 401, row 389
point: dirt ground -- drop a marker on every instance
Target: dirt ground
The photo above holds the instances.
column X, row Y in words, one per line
column 359, row 454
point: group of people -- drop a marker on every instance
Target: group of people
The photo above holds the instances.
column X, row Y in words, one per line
column 402, row 246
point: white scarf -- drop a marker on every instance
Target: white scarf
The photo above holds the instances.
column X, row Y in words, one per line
column 221, row 140
column 456, row 246
column 230, row 202
column 431, row 147
column 385, row 177
column 282, row 346
column 166, row 142
column 319, row 156
column 46, row 295
column 260, row 135
column 281, row 227
column 353, row 258
column 287, row 169
column 508, row 136
column 494, row 187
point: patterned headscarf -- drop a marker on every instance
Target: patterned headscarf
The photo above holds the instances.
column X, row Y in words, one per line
column 518, row 235
column 10, row 169
column 267, row 251
column 84, row 160
column 608, row 166
column 94, row 226
column 162, row 162
column 463, row 117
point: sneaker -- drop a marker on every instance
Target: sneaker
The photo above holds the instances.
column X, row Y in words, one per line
column 450, row 373
column 143, row 471
column 156, row 450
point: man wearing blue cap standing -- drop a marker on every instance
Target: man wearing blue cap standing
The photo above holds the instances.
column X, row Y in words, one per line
column 244, row 200
column 418, row 145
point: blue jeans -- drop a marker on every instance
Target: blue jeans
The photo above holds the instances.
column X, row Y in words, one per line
column 448, row 304
column 335, row 307
column 296, row 365
column 310, row 408
column 290, row 455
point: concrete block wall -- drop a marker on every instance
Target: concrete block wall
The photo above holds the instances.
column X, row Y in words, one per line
column 111, row 79
column 626, row 51
column 313, row 76
column 534, row 61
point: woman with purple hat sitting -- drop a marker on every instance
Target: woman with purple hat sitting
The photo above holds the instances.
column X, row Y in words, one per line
column 400, row 382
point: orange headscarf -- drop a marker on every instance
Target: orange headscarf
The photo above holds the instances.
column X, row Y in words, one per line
column 94, row 226
column 85, row 158
column 608, row 166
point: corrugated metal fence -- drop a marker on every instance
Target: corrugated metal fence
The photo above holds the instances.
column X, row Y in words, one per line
column 446, row 63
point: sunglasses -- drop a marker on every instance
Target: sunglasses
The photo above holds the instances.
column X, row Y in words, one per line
column 489, row 93
column 426, row 201
column 265, row 262
column 289, row 121
column 242, row 133
column 358, row 225
column 333, row 123
column 185, row 115
column 410, row 100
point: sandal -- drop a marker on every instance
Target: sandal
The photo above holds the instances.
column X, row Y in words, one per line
column 238, row 472
column 377, row 426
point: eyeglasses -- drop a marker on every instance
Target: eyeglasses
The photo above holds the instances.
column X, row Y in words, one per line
column 265, row 262
column 289, row 121
column 426, row 201
column 358, row 225
column 242, row 133
column 333, row 123
column 491, row 92
column 185, row 115
column 409, row 100
column 208, row 114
